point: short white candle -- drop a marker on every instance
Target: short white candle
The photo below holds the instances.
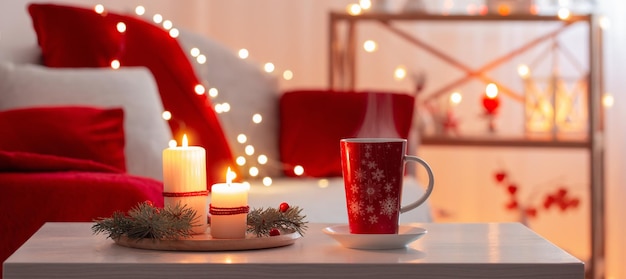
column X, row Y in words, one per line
column 184, row 171
column 229, row 195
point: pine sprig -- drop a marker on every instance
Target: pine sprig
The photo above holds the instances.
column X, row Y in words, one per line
column 171, row 223
column 147, row 221
column 261, row 221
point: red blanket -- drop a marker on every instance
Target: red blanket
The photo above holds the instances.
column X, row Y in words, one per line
column 35, row 189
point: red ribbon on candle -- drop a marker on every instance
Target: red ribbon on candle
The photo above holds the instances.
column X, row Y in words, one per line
column 185, row 194
column 228, row 210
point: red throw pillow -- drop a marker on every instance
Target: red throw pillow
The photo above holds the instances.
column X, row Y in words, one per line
column 79, row 37
column 74, row 132
column 313, row 122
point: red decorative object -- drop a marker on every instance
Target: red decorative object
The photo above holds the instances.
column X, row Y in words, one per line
column 373, row 175
column 78, row 37
column 228, row 210
column 373, row 171
column 274, row 232
column 512, row 189
column 500, row 176
column 86, row 133
column 491, row 104
column 450, row 123
column 57, row 186
column 283, row 207
column 560, row 198
column 531, row 212
column 329, row 116
column 186, row 194
column 512, row 205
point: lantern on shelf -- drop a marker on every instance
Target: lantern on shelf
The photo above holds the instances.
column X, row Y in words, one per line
column 539, row 104
column 570, row 108
column 556, row 108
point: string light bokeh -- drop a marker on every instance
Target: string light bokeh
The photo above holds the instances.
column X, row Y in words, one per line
column 254, row 156
column 400, row 73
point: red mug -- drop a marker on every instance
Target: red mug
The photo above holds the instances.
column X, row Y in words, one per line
column 373, row 171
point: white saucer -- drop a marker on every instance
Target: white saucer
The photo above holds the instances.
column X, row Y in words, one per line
column 406, row 234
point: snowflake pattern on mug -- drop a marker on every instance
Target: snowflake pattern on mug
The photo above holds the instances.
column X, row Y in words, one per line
column 374, row 196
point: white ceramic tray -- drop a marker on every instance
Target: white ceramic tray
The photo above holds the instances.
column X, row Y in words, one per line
column 204, row 242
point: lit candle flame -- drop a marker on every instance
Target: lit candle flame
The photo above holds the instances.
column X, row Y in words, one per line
column 230, row 175
column 185, row 143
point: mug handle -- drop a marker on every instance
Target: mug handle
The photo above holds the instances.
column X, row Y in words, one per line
column 429, row 189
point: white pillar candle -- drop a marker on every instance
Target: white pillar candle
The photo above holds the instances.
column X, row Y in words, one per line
column 231, row 198
column 184, row 181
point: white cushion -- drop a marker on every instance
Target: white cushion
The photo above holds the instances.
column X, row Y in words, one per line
column 248, row 90
column 132, row 88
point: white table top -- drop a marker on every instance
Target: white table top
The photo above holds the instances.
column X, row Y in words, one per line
column 486, row 250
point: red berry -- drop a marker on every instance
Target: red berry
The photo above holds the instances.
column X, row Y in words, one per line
column 562, row 205
column 500, row 176
column 548, row 202
column 274, row 232
column 512, row 205
column 561, row 192
column 283, row 207
column 531, row 212
column 574, row 202
column 512, row 189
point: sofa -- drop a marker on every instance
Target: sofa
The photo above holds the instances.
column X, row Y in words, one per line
column 84, row 138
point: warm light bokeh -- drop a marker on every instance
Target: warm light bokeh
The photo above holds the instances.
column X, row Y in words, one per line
column 491, row 90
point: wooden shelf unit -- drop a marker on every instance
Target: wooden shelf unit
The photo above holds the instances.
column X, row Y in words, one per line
column 482, row 141
column 343, row 72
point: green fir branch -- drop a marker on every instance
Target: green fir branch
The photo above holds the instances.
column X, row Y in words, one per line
column 261, row 221
column 147, row 221
column 171, row 223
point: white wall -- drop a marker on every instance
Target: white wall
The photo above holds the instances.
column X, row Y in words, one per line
column 293, row 35
column 616, row 137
